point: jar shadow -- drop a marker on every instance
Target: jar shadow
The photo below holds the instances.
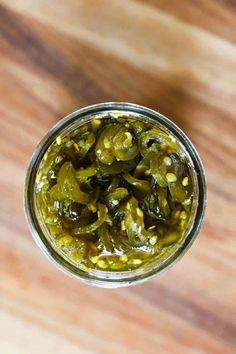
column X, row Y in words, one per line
column 170, row 97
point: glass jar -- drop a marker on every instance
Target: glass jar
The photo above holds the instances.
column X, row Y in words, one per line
column 107, row 278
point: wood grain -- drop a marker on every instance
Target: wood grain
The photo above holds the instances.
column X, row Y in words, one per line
column 178, row 57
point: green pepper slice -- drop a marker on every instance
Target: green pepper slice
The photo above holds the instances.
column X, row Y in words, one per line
column 133, row 223
column 124, row 146
column 163, row 203
column 116, row 167
column 142, row 186
column 84, row 144
column 68, row 186
column 103, row 149
column 101, row 217
column 114, row 184
column 115, row 197
column 85, row 172
column 155, row 138
column 105, row 237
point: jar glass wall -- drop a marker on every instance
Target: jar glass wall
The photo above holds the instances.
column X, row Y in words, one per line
column 102, row 277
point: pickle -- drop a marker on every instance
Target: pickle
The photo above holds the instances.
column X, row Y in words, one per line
column 114, row 193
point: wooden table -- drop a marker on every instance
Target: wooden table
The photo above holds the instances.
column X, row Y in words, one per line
column 178, row 57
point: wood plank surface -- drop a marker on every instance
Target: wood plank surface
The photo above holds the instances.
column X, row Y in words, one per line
column 178, row 57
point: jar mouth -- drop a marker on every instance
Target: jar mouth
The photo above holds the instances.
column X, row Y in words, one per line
column 111, row 279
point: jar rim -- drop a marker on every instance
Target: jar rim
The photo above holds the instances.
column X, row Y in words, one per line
column 79, row 116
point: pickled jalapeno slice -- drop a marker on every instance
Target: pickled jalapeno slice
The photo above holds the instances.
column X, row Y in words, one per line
column 115, row 193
